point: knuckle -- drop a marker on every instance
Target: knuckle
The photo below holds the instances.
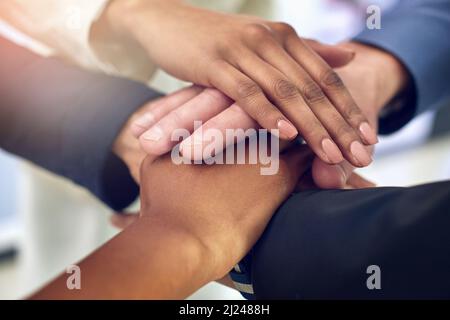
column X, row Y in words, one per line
column 263, row 112
column 247, row 90
column 176, row 118
column 314, row 131
column 214, row 68
column 313, row 93
column 214, row 95
column 331, row 79
column 345, row 133
column 237, row 111
column 285, row 90
column 283, row 28
column 309, row 127
column 353, row 112
column 217, row 65
column 256, row 31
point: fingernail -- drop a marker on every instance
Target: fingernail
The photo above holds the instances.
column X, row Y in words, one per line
column 332, row 151
column 368, row 133
column 145, row 120
column 154, row 134
column 287, row 130
column 361, row 155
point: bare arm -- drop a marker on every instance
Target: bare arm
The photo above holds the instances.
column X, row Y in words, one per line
column 183, row 241
column 146, row 261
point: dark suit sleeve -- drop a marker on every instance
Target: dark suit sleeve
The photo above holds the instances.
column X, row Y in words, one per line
column 417, row 33
column 65, row 120
column 320, row 243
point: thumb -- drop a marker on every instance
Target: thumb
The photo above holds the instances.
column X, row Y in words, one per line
column 334, row 55
column 358, row 182
column 337, row 176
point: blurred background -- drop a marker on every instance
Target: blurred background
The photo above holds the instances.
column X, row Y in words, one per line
column 47, row 223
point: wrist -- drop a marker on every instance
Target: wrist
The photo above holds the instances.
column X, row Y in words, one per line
column 390, row 75
column 121, row 16
column 196, row 260
column 117, row 15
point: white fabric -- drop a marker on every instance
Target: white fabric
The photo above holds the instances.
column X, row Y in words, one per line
column 64, row 26
column 61, row 25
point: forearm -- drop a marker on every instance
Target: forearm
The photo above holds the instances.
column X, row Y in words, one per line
column 118, row 20
column 148, row 260
column 120, row 13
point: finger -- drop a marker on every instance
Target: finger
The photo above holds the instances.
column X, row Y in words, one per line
column 340, row 131
column 359, row 182
column 123, row 220
column 330, row 176
column 155, row 110
column 251, row 98
column 231, row 119
column 332, row 85
column 286, row 95
column 158, row 139
column 334, row 55
column 232, row 123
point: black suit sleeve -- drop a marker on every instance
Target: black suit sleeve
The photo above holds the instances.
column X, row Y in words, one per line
column 65, row 120
column 320, row 243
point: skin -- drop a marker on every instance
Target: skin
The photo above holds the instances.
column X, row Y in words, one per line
column 177, row 249
column 365, row 76
column 374, row 77
column 127, row 147
column 180, row 243
column 197, row 104
column 273, row 74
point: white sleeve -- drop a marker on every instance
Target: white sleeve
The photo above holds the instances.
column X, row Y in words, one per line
column 64, row 26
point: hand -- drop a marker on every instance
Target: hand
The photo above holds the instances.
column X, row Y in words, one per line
column 228, row 219
column 254, row 62
column 183, row 241
column 126, row 147
column 211, row 107
column 365, row 77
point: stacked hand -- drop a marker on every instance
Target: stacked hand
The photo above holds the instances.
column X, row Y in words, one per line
column 364, row 76
column 188, row 233
column 227, row 218
column 280, row 81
